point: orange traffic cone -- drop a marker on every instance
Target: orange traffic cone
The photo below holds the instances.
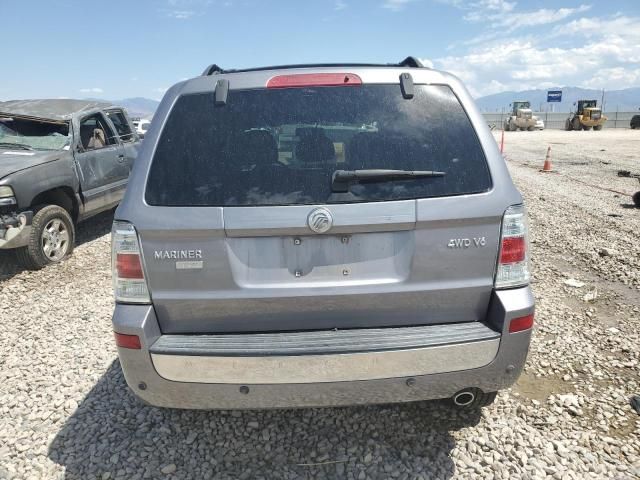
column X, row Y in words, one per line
column 547, row 162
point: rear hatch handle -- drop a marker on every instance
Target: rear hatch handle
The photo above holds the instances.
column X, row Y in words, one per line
column 342, row 179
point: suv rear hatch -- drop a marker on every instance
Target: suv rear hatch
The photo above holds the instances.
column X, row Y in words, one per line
column 253, row 235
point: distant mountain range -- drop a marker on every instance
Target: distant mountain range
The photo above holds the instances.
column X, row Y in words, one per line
column 626, row 100
column 138, row 106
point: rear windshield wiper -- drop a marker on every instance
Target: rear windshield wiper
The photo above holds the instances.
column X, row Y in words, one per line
column 22, row 146
column 342, row 179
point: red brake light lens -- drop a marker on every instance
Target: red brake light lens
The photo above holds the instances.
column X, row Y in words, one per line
column 521, row 323
column 513, row 250
column 129, row 284
column 513, row 265
column 128, row 266
column 314, row 80
column 127, row 341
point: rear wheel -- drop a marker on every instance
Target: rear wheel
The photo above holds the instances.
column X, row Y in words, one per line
column 567, row 125
column 530, row 129
column 597, row 127
column 51, row 240
column 636, row 199
column 585, row 127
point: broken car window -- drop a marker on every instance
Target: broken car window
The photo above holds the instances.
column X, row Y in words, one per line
column 121, row 124
column 39, row 135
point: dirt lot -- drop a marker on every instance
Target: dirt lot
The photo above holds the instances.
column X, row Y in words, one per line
column 65, row 411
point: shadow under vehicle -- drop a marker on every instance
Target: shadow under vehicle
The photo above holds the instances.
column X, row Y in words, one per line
column 415, row 439
column 61, row 162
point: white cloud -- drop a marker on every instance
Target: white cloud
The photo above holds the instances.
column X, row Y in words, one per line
column 524, row 49
column 340, row 5
column 395, row 5
column 185, row 9
column 493, row 5
column 426, row 62
column 505, row 18
column 96, row 90
column 181, row 14
column 502, row 18
column 608, row 60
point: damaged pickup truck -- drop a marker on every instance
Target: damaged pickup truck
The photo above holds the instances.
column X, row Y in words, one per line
column 61, row 162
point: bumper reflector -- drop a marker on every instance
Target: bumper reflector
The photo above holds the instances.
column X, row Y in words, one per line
column 521, row 323
column 127, row 341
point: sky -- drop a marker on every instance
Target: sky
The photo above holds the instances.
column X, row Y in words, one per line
column 119, row 49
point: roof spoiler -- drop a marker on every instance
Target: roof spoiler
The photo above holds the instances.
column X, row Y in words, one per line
column 410, row 62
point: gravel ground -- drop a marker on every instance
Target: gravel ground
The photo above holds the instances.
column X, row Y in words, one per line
column 65, row 411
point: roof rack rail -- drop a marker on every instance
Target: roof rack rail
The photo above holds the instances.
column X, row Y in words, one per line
column 211, row 69
column 410, row 62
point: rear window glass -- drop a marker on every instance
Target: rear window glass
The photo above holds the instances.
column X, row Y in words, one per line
column 281, row 146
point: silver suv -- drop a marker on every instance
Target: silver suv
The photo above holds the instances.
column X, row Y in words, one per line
column 320, row 235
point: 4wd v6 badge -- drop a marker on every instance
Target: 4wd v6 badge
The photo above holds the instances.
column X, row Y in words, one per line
column 467, row 242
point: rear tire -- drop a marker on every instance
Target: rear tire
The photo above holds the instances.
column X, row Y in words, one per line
column 597, row 127
column 530, row 129
column 585, row 127
column 481, row 400
column 636, row 199
column 567, row 125
column 51, row 241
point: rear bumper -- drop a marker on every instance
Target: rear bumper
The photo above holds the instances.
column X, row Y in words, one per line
column 219, row 373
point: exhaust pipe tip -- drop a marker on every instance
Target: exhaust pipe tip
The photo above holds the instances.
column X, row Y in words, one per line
column 464, row 398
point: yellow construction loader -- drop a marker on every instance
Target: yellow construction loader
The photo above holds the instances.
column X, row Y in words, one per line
column 586, row 116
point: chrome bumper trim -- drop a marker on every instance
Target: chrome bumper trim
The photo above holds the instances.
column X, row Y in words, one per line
column 302, row 369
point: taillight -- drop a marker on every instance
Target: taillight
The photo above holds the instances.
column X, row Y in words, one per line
column 314, row 80
column 513, row 261
column 129, row 284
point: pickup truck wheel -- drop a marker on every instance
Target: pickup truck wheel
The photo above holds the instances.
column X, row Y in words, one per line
column 52, row 238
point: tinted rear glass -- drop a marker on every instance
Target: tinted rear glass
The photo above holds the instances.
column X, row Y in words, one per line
column 281, row 146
